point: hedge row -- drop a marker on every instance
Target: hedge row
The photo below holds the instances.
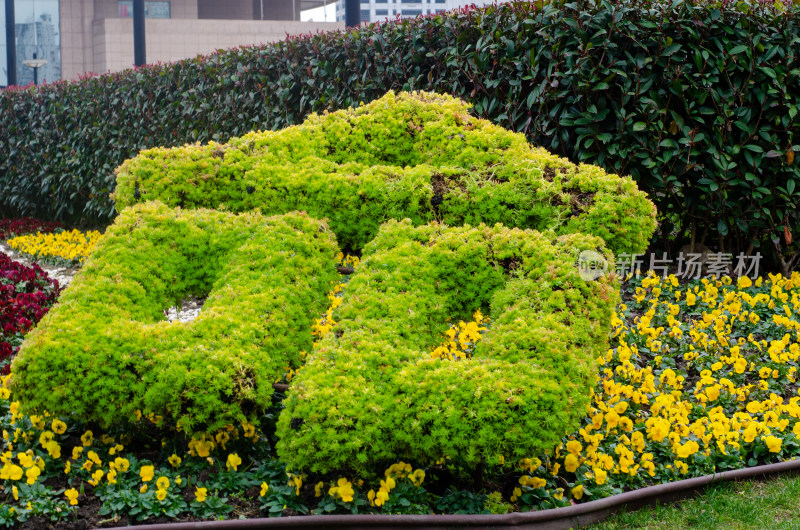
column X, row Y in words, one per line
column 106, row 350
column 697, row 102
column 419, row 156
column 372, row 394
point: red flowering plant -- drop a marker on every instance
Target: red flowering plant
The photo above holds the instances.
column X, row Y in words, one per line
column 26, row 294
column 26, row 225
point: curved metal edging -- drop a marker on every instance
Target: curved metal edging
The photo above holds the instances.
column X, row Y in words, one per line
column 574, row 516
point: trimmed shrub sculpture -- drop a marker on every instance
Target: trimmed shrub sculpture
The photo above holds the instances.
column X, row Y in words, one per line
column 419, row 156
column 106, row 351
column 395, row 179
column 371, row 393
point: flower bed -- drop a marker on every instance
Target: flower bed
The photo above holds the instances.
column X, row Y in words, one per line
column 26, row 225
column 26, row 294
column 700, row 378
column 703, row 378
column 67, row 248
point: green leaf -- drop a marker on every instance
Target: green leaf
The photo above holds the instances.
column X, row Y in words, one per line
column 769, row 71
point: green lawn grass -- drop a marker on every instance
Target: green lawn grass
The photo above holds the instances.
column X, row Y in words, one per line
column 770, row 503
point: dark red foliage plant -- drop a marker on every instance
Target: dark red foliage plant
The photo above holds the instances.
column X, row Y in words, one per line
column 26, row 294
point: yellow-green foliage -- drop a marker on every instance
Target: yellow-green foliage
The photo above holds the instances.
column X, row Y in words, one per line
column 106, row 350
column 371, row 391
column 420, row 156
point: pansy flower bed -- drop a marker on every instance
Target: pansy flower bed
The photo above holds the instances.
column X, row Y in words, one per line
column 26, row 293
column 10, row 228
column 64, row 247
column 701, row 377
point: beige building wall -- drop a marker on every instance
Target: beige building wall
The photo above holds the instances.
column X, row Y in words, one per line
column 76, row 37
column 94, row 39
column 172, row 40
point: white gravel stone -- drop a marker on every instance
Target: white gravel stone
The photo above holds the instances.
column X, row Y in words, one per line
column 190, row 308
column 63, row 275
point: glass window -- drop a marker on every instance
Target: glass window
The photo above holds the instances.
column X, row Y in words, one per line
column 411, row 12
column 381, row 12
column 365, row 15
column 151, row 9
column 36, row 31
column 3, row 51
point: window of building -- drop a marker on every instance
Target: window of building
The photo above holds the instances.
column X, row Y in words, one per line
column 411, row 12
column 365, row 15
column 37, row 31
column 3, row 49
column 151, row 9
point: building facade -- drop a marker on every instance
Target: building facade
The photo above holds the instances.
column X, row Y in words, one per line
column 77, row 37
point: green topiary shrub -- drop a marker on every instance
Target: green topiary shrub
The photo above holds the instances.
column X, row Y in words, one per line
column 371, row 393
column 106, row 350
column 419, row 156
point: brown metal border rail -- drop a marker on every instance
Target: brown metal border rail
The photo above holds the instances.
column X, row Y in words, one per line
column 575, row 516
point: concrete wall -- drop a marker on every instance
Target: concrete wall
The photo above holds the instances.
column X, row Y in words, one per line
column 173, row 39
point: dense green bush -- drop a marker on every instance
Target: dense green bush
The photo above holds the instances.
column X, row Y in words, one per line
column 371, row 393
column 419, row 156
column 697, row 102
column 106, row 349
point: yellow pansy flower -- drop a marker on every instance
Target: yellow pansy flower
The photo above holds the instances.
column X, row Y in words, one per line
column 146, row 473
column 72, row 494
column 200, row 494
column 233, row 462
